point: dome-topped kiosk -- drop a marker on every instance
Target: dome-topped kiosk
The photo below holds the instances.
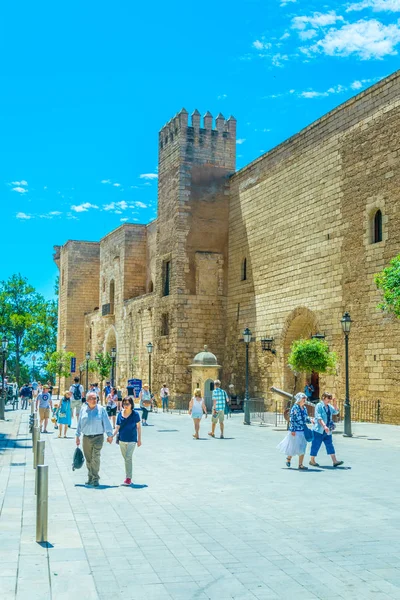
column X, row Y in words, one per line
column 205, row 369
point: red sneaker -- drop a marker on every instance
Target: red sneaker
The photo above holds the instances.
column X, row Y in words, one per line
column 128, row 481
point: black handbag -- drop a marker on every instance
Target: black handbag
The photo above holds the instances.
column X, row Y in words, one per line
column 78, row 459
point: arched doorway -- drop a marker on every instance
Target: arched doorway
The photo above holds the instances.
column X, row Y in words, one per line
column 208, row 390
column 301, row 324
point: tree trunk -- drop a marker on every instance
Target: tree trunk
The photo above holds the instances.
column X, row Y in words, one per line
column 17, row 348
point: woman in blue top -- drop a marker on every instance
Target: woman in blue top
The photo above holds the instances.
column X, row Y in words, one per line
column 64, row 414
column 130, row 433
column 295, row 443
column 323, row 427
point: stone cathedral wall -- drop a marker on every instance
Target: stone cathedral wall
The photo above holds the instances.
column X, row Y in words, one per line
column 302, row 217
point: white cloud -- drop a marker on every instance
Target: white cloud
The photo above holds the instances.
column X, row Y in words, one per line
column 20, row 190
column 83, row 207
column 313, row 94
column 279, row 59
column 307, row 34
column 241, row 141
column 116, row 184
column 140, row 204
column 124, row 219
column 148, row 176
column 285, row 36
column 22, row 182
column 110, row 206
column 122, row 205
column 118, row 212
column 365, row 39
column 55, row 213
column 316, row 20
column 222, row 97
column 376, row 5
column 106, row 181
column 285, row 2
column 22, row 215
column 259, row 45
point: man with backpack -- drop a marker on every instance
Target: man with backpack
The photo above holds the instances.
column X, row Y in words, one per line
column 78, row 396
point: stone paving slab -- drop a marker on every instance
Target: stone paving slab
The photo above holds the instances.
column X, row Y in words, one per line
column 207, row 519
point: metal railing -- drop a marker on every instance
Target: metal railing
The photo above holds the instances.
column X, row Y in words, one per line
column 362, row 411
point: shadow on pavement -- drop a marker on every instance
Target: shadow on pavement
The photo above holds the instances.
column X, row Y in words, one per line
column 136, row 486
column 296, row 470
column 332, row 468
column 100, row 487
column 45, row 544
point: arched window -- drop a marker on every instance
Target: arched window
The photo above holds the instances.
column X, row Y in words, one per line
column 243, row 271
column 112, row 296
column 377, row 231
column 151, row 287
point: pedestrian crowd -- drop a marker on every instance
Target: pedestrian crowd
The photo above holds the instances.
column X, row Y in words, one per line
column 100, row 412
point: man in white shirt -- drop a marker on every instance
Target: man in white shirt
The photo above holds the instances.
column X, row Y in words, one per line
column 164, row 395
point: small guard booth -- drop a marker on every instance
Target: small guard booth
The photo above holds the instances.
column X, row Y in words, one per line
column 205, row 369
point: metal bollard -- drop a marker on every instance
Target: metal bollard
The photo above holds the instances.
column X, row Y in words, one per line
column 35, row 438
column 32, row 408
column 42, row 500
column 40, row 445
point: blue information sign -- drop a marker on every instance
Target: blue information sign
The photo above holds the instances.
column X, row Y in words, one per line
column 136, row 384
column 73, row 365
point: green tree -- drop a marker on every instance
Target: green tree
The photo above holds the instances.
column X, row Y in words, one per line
column 103, row 367
column 59, row 364
column 311, row 356
column 388, row 281
column 42, row 335
column 21, row 310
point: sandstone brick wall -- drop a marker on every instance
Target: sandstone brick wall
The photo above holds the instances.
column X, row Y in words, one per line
column 79, row 264
column 283, row 246
column 300, row 215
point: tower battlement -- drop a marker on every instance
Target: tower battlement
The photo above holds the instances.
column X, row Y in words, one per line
column 215, row 138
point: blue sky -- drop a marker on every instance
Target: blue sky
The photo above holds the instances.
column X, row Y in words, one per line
column 87, row 85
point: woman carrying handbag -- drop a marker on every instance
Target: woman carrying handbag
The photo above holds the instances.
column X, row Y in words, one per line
column 295, row 443
column 128, row 433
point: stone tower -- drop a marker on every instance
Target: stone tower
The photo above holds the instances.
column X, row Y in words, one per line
column 192, row 238
column 79, row 264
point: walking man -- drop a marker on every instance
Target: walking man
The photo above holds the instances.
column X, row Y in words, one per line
column 164, row 395
column 78, row 396
column 25, row 394
column 43, row 401
column 93, row 423
column 219, row 398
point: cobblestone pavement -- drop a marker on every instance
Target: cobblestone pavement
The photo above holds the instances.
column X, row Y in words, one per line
column 208, row 519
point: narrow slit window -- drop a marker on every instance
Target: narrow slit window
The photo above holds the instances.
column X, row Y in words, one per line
column 243, row 274
column 377, row 227
column 167, row 278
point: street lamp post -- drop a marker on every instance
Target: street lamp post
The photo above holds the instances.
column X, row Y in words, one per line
column 113, row 354
column 247, row 340
column 87, row 370
column 33, row 367
column 149, row 350
column 4, row 345
column 346, row 326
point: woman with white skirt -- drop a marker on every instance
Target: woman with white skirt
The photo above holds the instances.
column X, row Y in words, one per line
column 294, row 444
